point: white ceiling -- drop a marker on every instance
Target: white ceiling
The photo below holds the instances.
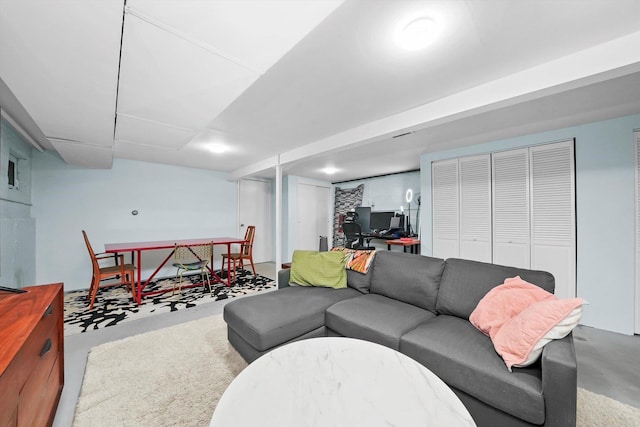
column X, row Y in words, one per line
column 311, row 83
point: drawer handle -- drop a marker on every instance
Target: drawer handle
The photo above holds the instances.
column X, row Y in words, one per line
column 48, row 311
column 46, row 348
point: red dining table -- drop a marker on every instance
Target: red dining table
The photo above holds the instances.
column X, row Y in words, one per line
column 138, row 247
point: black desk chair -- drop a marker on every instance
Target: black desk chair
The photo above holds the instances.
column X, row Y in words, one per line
column 353, row 236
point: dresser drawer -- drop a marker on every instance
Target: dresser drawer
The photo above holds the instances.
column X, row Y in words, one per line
column 32, row 360
column 31, row 395
column 45, row 335
column 10, row 389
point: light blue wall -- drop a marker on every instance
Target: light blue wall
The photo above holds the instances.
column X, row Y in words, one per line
column 605, row 216
column 173, row 203
column 17, row 227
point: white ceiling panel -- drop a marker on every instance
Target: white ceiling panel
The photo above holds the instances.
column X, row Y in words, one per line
column 308, row 82
column 195, row 157
column 153, row 134
column 256, row 32
column 170, row 80
column 85, row 155
column 60, row 60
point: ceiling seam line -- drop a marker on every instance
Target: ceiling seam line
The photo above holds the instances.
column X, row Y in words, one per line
column 132, row 116
column 191, row 40
column 115, row 113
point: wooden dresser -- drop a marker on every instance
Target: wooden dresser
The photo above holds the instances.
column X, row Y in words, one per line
column 31, row 355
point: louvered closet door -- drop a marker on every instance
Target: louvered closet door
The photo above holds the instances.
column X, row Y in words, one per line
column 511, row 238
column 475, row 208
column 446, row 235
column 553, row 214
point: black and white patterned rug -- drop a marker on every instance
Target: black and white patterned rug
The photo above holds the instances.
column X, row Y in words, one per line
column 114, row 305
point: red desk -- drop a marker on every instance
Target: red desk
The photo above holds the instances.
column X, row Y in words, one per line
column 138, row 247
column 414, row 244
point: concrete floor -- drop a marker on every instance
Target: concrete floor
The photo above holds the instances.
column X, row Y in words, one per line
column 608, row 363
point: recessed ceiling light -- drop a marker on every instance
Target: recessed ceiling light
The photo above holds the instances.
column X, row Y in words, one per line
column 217, row 148
column 418, row 33
column 329, row 170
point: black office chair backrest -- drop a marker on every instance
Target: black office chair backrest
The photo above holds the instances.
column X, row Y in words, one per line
column 352, row 233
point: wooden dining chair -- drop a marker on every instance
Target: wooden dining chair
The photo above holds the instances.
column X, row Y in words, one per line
column 246, row 253
column 125, row 272
column 192, row 258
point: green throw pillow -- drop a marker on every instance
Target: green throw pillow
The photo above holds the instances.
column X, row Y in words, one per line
column 313, row 268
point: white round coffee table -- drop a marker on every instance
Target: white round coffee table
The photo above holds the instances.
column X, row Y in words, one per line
column 338, row 382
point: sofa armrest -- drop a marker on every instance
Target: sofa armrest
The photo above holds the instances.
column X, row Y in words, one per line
column 560, row 382
column 283, row 278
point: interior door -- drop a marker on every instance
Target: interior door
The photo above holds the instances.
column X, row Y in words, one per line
column 553, row 227
column 313, row 215
column 446, row 209
column 511, row 227
column 255, row 209
column 475, row 208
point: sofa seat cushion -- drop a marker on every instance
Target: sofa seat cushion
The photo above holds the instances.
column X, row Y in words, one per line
column 464, row 358
column 267, row 320
column 375, row 318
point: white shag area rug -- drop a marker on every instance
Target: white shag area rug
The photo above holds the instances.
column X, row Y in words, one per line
column 169, row 377
column 175, row 376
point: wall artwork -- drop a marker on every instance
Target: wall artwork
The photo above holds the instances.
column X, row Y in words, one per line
column 345, row 200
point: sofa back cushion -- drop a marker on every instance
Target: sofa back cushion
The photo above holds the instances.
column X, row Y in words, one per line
column 359, row 281
column 413, row 279
column 465, row 282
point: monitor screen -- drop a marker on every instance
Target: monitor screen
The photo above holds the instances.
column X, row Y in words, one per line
column 381, row 220
column 364, row 213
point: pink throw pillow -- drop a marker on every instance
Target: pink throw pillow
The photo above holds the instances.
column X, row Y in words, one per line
column 504, row 302
column 520, row 340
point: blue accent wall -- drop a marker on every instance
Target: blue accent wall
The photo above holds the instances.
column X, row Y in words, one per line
column 605, row 213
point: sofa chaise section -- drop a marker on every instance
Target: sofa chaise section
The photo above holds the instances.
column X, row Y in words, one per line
column 262, row 322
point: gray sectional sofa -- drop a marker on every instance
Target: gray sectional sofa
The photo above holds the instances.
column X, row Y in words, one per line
column 420, row 306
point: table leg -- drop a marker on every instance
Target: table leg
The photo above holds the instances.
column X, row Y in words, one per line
column 139, row 292
column 229, row 265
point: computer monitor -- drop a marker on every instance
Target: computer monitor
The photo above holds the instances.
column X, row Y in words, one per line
column 381, row 220
column 364, row 215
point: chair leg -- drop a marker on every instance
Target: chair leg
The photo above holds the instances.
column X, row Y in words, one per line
column 235, row 266
column 253, row 267
column 94, row 290
column 223, row 262
column 202, row 274
column 179, row 275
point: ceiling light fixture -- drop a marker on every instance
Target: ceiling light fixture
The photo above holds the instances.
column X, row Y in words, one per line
column 217, row 148
column 418, row 33
column 329, row 170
